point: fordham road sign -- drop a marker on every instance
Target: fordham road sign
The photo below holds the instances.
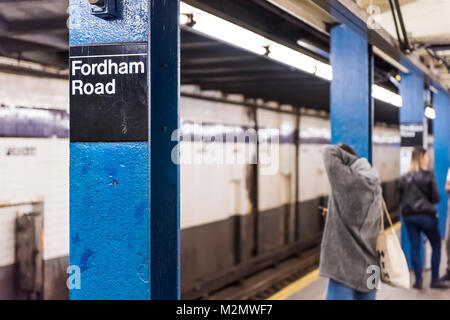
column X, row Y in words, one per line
column 109, row 93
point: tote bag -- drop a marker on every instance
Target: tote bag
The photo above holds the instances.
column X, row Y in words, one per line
column 393, row 265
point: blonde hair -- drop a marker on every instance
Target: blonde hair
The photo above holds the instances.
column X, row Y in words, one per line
column 416, row 157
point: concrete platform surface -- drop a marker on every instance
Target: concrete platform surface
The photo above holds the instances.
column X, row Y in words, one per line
column 317, row 289
column 312, row 287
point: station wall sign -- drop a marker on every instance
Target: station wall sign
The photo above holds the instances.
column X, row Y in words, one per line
column 412, row 134
column 109, row 93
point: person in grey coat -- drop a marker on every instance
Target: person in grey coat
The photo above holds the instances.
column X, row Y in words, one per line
column 348, row 252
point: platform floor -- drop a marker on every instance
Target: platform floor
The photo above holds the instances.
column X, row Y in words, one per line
column 312, row 287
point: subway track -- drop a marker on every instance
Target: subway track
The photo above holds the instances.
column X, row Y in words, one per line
column 269, row 281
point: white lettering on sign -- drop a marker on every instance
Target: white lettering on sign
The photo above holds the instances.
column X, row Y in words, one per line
column 409, row 131
column 79, row 87
column 105, row 68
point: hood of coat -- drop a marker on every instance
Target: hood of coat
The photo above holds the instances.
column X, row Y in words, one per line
column 363, row 167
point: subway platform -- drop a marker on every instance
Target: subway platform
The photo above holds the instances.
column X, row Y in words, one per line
column 313, row 287
column 174, row 150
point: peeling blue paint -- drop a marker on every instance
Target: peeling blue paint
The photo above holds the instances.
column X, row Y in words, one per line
column 110, row 227
column 131, row 26
column 110, row 222
column 110, row 182
column 76, row 238
column 85, row 257
column 139, row 212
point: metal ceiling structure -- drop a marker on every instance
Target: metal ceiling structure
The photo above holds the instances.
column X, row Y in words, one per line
column 425, row 24
column 236, row 71
column 213, row 65
column 36, row 30
column 217, row 66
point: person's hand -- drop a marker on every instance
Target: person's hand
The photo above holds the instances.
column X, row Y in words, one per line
column 324, row 211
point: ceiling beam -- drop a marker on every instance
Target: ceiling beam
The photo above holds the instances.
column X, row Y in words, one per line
column 433, row 40
column 243, row 78
column 227, row 69
column 352, row 15
column 267, row 20
column 60, row 42
column 289, row 87
column 47, row 58
column 39, row 25
column 220, row 59
column 32, row 26
column 28, row 1
column 187, row 45
column 10, row 45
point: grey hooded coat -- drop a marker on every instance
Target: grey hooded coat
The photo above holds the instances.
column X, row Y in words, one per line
column 353, row 220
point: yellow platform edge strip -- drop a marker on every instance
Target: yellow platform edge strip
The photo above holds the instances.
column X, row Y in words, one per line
column 308, row 279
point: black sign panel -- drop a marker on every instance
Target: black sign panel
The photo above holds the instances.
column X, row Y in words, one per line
column 411, row 134
column 109, row 93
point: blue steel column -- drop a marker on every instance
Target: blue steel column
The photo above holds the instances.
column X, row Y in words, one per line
column 351, row 106
column 165, row 193
column 412, row 92
column 111, row 225
column 412, row 112
column 442, row 152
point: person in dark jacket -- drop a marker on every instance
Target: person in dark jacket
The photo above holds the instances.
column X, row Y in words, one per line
column 447, row 189
column 418, row 195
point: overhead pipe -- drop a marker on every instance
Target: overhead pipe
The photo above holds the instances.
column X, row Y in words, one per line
column 407, row 45
column 394, row 17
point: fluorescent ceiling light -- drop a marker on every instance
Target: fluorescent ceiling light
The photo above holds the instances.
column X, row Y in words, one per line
column 293, row 58
column 223, row 30
column 300, row 61
column 443, row 52
column 430, row 113
column 235, row 35
column 387, row 96
column 324, row 71
column 184, row 19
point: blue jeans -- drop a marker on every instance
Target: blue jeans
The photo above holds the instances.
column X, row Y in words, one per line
column 339, row 291
column 415, row 224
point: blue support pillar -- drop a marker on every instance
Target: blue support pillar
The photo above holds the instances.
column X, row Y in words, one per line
column 442, row 152
column 124, row 187
column 411, row 113
column 165, row 184
column 412, row 91
column 351, row 105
